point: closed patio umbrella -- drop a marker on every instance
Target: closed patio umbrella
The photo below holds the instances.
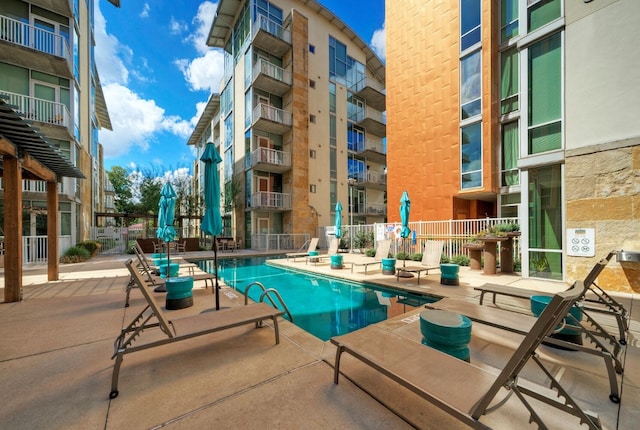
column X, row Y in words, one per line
column 405, row 208
column 166, row 216
column 212, row 219
column 338, row 232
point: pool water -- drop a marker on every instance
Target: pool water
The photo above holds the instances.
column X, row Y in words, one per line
column 322, row 306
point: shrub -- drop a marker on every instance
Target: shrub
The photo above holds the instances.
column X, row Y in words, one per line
column 75, row 254
column 461, row 260
column 370, row 252
column 402, row 256
column 362, row 239
column 444, row 259
column 417, row 256
column 90, row 245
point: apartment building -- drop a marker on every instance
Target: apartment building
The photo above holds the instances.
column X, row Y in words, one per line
column 299, row 123
column 522, row 108
column 47, row 71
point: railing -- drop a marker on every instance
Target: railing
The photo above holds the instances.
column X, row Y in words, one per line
column 368, row 82
column 270, row 156
column 371, row 177
column 272, row 27
column 34, row 248
column 40, row 110
column 264, row 111
column 33, row 37
column 266, row 68
column 278, row 242
column 31, row 186
column 371, row 145
column 368, row 112
column 271, row 200
column 268, row 294
column 376, row 209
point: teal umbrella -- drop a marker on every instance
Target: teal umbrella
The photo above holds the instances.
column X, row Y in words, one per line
column 166, row 217
column 338, row 232
column 212, row 219
column 405, row 208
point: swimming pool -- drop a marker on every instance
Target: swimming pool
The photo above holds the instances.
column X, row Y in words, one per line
column 322, row 306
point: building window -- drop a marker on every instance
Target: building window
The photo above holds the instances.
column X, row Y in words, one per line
column 542, row 12
column 312, row 118
column 509, row 88
column 312, row 153
column 471, row 156
column 65, row 218
column 545, row 95
column 510, row 153
column 470, row 91
column 332, row 97
column 469, row 23
column 312, row 188
column 508, row 19
column 545, row 222
column 509, row 204
column 337, row 61
column 312, row 83
column 312, row 48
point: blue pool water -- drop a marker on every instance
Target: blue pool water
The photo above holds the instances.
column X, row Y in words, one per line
column 322, row 306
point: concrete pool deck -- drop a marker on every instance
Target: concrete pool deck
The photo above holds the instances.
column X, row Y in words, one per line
column 57, row 344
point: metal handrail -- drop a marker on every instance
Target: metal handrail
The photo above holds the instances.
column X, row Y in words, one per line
column 266, row 293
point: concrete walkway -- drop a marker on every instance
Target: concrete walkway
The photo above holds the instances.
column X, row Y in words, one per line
column 55, row 364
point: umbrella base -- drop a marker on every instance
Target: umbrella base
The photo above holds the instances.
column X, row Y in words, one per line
column 173, row 304
column 160, row 289
column 404, row 274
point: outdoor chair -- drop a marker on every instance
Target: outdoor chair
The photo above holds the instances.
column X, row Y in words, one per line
column 461, row 389
column 431, row 256
column 333, row 250
column 313, row 244
column 384, row 246
column 134, row 337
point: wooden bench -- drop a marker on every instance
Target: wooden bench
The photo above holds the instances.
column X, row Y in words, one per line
column 461, row 389
column 151, row 318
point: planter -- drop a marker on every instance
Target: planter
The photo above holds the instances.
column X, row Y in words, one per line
column 179, row 292
column 388, row 266
column 475, row 255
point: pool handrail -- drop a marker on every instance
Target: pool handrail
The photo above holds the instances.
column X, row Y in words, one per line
column 266, row 293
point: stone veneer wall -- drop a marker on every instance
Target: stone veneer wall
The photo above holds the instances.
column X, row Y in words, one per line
column 603, row 192
column 301, row 219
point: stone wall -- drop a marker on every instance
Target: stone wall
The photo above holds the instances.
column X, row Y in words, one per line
column 602, row 186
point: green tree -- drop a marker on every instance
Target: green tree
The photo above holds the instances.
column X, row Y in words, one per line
column 149, row 196
column 121, row 181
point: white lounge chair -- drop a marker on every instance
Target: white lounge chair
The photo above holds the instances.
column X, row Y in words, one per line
column 382, row 252
column 430, row 259
column 313, row 244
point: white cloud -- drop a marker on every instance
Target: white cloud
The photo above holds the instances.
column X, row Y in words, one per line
column 110, row 66
column 145, row 11
column 177, row 27
column 202, row 22
column 378, row 43
column 203, row 73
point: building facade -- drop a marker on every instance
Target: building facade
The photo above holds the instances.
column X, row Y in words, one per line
column 300, row 123
column 520, row 108
column 47, row 70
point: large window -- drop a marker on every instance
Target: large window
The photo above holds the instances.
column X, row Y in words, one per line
column 471, row 156
column 469, row 23
column 545, row 95
column 508, row 19
column 337, row 61
column 470, row 89
column 509, row 76
column 510, row 147
column 542, row 12
column 545, row 222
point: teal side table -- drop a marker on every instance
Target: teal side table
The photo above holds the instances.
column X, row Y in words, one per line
column 449, row 274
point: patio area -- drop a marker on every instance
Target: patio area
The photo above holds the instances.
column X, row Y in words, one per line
column 57, row 345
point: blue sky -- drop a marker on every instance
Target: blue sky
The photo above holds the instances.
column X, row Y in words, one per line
column 157, row 73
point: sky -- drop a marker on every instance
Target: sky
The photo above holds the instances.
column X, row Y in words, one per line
column 157, row 74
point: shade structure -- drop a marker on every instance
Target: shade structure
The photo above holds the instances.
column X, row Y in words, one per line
column 405, row 208
column 166, row 217
column 338, row 232
column 212, row 219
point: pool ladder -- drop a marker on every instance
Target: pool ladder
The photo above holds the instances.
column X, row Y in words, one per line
column 267, row 293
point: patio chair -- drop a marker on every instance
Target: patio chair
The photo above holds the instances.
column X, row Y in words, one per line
column 462, row 389
column 382, row 252
column 519, row 323
column 313, row 244
column 333, row 250
column 431, row 256
column 133, row 338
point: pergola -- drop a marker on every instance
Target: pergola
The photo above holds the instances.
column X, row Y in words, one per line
column 26, row 154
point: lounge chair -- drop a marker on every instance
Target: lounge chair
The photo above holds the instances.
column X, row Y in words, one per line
column 521, row 324
column 382, row 252
column 313, row 244
column 132, row 338
column 461, row 389
column 333, row 250
column 430, row 259
column 596, row 300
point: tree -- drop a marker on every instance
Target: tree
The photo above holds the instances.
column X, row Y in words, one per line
column 149, row 195
column 121, row 181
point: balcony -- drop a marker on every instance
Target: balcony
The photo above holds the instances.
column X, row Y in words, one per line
column 373, row 150
column 269, row 160
column 270, row 201
column 372, row 91
column 40, row 110
column 16, row 35
column 374, row 121
column 373, row 180
column 271, row 36
column 271, row 78
column 271, row 119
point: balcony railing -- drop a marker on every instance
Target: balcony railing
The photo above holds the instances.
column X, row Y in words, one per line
column 40, row 110
column 269, row 156
column 282, row 119
column 371, row 178
column 32, row 186
column 369, row 113
column 367, row 82
column 280, row 79
column 371, row 145
column 271, row 27
column 271, row 200
column 33, row 37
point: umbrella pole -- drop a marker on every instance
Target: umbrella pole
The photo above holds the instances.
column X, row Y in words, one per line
column 215, row 263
